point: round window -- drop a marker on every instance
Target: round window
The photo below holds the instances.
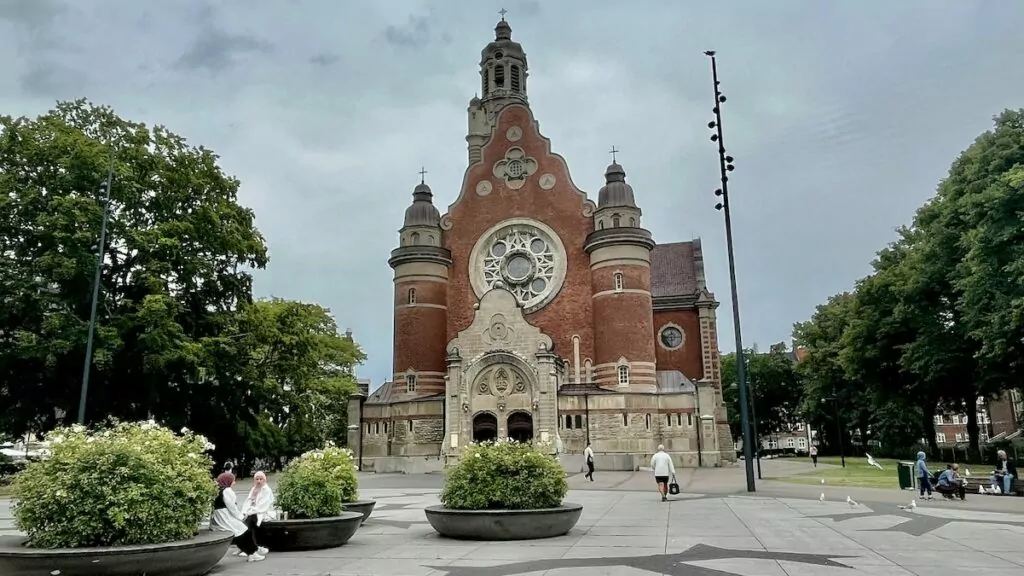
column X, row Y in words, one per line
column 537, row 246
column 498, row 249
column 538, row 285
column 518, row 268
column 671, row 337
column 515, row 169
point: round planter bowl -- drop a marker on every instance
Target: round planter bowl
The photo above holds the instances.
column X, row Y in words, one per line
column 316, row 534
column 500, row 525
column 193, row 557
column 364, row 507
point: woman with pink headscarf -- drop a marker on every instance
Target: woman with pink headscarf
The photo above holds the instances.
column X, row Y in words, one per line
column 259, row 506
column 227, row 517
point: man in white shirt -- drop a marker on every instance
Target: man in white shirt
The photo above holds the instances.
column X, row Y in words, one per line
column 588, row 455
column 664, row 469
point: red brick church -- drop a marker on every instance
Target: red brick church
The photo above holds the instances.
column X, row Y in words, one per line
column 529, row 311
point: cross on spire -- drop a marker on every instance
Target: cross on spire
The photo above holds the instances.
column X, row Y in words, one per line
column 423, row 172
column 613, row 151
column 502, row 12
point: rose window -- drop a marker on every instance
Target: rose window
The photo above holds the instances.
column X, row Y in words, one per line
column 523, row 259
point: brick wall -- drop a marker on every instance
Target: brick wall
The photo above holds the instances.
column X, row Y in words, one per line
column 686, row 359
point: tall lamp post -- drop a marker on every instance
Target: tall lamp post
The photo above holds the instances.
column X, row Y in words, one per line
column 100, row 252
column 753, row 422
column 839, row 428
column 725, row 165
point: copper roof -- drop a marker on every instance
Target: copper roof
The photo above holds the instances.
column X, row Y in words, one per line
column 672, row 270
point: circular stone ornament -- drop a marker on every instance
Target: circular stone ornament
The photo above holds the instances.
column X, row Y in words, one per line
column 523, row 256
column 514, row 134
column 484, row 188
column 547, row 181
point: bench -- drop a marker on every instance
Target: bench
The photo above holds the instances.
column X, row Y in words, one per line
column 974, row 482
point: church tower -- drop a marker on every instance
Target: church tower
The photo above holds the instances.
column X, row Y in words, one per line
column 421, row 266
column 620, row 272
column 503, row 72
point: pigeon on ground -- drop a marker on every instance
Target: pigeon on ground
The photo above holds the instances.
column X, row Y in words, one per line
column 821, row 498
column 873, row 462
column 981, row 489
column 851, row 502
column 909, row 507
column 967, row 471
column 822, row 480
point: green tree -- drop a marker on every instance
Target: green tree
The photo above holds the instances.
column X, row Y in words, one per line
column 776, row 391
column 175, row 267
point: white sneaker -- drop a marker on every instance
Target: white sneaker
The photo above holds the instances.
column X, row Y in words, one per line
column 241, row 554
column 262, row 551
column 256, row 558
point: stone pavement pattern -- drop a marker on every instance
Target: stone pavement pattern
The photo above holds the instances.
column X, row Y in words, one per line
column 626, row 533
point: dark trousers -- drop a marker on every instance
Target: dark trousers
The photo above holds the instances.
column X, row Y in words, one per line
column 590, row 469
column 246, row 542
column 815, row 460
column 250, row 521
column 926, row 485
column 958, row 490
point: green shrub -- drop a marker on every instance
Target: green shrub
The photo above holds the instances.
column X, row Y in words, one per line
column 504, row 476
column 316, row 484
column 8, row 468
column 129, row 484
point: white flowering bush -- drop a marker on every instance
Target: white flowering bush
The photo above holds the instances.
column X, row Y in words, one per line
column 316, row 484
column 504, row 475
column 132, row 483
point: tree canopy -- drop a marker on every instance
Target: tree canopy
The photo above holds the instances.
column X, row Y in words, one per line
column 938, row 323
column 179, row 337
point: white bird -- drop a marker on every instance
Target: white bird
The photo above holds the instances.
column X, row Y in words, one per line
column 909, row 507
column 981, row 489
column 851, row 502
column 822, row 480
column 821, row 498
column 873, row 462
column 967, row 471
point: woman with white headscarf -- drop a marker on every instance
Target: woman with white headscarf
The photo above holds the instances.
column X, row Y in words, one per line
column 228, row 518
column 259, row 506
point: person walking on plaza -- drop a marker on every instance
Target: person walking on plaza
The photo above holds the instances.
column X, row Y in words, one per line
column 664, row 470
column 1005, row 472
column 814, row 455
column 924, row 476
column 588, row 455
column 228, row 518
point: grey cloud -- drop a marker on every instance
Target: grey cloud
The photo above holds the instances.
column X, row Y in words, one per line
column 215, row 50
column 414, row 34
column 324, row 59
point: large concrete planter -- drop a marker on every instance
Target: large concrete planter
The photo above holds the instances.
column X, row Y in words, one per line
column 364, row 507
column 498, row 525
column 193, row 557
column 316, row 534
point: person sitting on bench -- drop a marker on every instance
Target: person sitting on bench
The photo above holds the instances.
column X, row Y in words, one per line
column 1005, row 472
column 950, row 484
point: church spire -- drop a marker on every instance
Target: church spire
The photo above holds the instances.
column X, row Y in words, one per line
column 503, row 69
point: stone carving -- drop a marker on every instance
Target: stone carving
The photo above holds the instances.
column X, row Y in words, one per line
column 484, row 389
column 446, row 222
column 520, row 386
column 514, row 134
column 483, row 188
column 588, row 210
column 501, row 406
column 499, row 330
column 465, row 407
column 515, row 168
column 547, row 181
column 501, row 380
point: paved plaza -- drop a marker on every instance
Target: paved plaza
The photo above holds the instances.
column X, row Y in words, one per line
column 624, row 531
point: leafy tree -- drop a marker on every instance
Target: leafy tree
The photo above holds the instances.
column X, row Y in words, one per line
column 774, row 385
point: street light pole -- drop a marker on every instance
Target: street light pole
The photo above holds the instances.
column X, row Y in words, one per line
column 753, row 420
column 725, row 165
column 839, row 431
column 87, row 364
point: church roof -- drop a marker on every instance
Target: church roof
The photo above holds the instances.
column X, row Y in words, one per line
column 672, row 270
column 422, row 211
column 387, row 394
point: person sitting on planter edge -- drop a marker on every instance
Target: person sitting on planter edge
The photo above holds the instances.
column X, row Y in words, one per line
column 259, row 506
column 1004, row 473
column 950, row 484
column 228, row 518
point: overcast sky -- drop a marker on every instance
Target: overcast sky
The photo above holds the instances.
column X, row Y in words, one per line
column 842, row 116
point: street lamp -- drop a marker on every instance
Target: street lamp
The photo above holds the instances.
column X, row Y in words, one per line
column 87, row 364
column 725, row 165
column 753, row 421
column 839, row 427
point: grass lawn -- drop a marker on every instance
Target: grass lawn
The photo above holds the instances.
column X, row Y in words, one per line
column 858, row 473
column 5, row 491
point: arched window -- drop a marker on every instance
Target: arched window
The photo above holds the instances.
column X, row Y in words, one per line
column 376, row 428
column 632, row 222
column 486, row 82
column 412, row 295
column 618, row 281
column 415, row 238
column 410, row 383
column 499, row 76
column 579, row 421
column 625, row 419
column 430, row 239
column 668, row 419
column 615, row 220
column 623, row 375
column 385, row 427
column 410, row 425
column 600, row 224
column 647, row 422
column 515, row 78
column 568, row 422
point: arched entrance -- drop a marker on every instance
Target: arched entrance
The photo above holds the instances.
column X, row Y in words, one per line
column 520, row 427
column 485, row 427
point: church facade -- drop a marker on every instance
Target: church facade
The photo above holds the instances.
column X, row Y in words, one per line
column 528, row 311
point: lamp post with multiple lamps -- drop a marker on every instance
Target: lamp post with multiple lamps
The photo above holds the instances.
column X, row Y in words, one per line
column 100, row 253
column 725, row 166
